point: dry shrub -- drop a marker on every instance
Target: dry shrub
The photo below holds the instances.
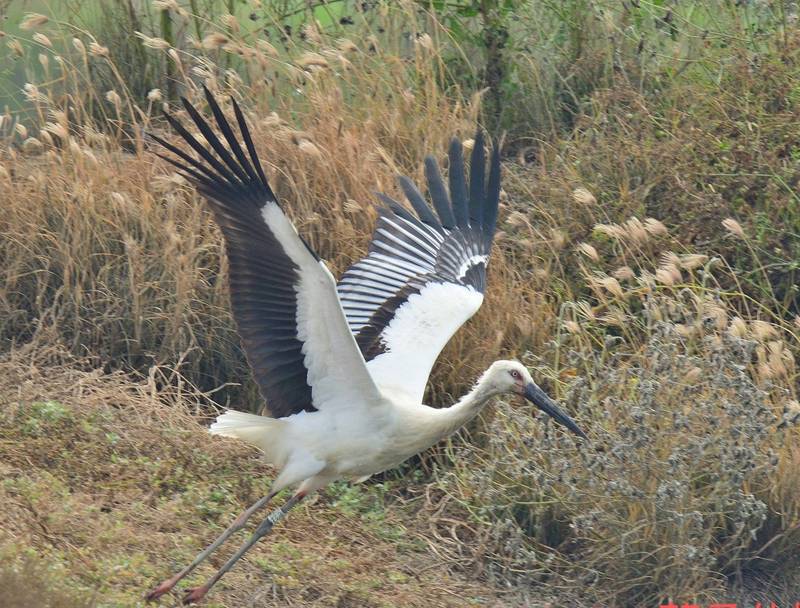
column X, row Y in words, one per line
column 687, row 482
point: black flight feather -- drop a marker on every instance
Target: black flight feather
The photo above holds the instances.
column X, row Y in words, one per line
column 262, row 277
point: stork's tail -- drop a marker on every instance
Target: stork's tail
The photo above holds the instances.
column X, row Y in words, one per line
column 267, row 434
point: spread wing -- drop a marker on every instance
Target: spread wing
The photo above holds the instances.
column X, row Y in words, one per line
column 284, row 300
column 425, row 274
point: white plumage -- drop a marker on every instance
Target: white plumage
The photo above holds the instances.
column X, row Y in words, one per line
column 343, row 368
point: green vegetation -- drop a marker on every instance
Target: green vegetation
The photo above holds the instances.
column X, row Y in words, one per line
column 647, row 268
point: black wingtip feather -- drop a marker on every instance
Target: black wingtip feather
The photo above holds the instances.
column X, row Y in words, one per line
column 438, row 192
column 492, row 196
column 248, row 141
column 394, row 206
column 227, row 132
column 212, row 139
column 458, row 184
column 477, row 179
column 417, row 201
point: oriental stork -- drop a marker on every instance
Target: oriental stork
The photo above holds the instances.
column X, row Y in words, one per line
column 343, row 367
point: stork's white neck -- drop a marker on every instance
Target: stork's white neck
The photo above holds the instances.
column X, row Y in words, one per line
column 466, row 408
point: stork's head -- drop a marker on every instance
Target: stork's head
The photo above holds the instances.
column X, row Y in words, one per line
column 513, row 377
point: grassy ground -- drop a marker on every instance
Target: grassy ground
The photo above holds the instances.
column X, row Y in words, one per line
column 106, row 491
column 646, row 268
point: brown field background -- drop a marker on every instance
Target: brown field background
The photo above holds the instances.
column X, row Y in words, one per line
column 646, row 269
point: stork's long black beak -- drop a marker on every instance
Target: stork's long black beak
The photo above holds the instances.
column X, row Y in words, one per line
column 540, row 399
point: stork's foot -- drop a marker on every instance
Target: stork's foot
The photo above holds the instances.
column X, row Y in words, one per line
column 163, row 588
column 195, row 595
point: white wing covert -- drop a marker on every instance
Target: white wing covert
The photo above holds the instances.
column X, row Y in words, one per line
column 424, row 274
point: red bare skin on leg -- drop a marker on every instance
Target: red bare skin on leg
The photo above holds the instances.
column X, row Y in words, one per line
column 164, row 587
column 195, row 595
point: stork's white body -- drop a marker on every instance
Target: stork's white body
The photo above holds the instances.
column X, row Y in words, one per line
column 316, row 448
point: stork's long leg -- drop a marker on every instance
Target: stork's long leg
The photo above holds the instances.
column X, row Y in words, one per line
column 264, row 528
column 237, row 525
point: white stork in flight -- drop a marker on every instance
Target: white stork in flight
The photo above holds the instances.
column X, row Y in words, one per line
column 343, row 367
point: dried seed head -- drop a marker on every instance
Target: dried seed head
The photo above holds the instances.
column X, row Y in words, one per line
column 153, row 43
column 58, row 130
column 624, row 273
column 424, row 41
column 614, row 231
column 589, row 251
column 31, row 145
column 572, row 327
column 738, row 328
column 78, row 45
column 31, row 21
column 613, row 287
column 215, row 41
column 352, row 206
column 762, row 330
column 312, row 60
column 113, row 97
column 32, row 93
column 583, row 196
column 585, row 310
column 346, row 46
column 615, row 317
column 309, row 148
column 231, row 23
column 266, row 48
column 734, row 227
column 40, row 38
column 468, row 144
column 717, row 314
column 559, row 238
column 98, row 50
column 636, row 231
column 15, row 46
column 516, row 219
column 781, row 358
column 690, row 261
column 686, row 331
column 669, row 258
column 154, row 95
column 655, row 227
column 664, row 276
column 21, row 130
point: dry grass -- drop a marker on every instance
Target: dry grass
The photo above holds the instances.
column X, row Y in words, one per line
column 118, row 255
column 636, row 258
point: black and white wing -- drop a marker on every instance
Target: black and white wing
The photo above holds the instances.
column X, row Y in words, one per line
column 424, row 275
column 283, row 297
